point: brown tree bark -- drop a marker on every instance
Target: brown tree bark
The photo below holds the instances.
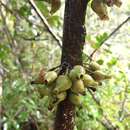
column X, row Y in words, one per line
column 73, row 41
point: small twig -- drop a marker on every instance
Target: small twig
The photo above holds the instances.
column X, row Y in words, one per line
column 54, row 68
column 127, row 115
column 105, row 122
column 12, row 41
column 7, row 32
column 15, row 13
column 94, row 98
column 43, row 19
column 20, row 110
column 111, row 34
column 33, row 38
column 121, row 118
column 6, row 7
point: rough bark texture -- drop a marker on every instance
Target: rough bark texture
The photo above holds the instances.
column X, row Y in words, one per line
column 73, row 42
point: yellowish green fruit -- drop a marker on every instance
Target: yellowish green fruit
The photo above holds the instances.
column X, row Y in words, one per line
column 99, row 7
column 54, row 100
column 78, row 87
column 76, row 99
column 77, row 72
column 61, row 96
column 89, row 81
column 43, row 91
column 52, row 103
column 50, row 77
column 99, row 75
column 118, row 3
column 63, row 83
column 94, row 66
column 55, row 5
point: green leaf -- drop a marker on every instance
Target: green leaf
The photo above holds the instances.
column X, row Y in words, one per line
column 100, row 61
column 4, row 50
column 43, row 8
column 24, row 10
column 112, row 62
column 99, row 40
column 54, row 20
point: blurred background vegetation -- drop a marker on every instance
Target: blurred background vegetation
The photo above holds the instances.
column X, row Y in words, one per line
column 26, row 46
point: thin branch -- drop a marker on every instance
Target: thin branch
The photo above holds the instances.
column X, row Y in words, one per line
column 19, row 111
column 34, row 38
column 111, row 34
column 121, row 118
column 7, row 31
column 93, row 96
column 12, row 41
column 105, row 122
column 16, row 14
column 127, row 116
column 43, row 19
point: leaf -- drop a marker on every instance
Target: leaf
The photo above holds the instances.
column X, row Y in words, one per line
column 112, row 62
column 54, row 20
column 100, row 61
column 85, row 58
column 24, row 10
column 43, row 8
column 99, row 40
column 23, row 115
column 4, row 50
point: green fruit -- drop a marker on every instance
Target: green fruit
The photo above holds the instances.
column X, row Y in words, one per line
column 100, row 8
column 63, row 83
column 89, row 81
column 94, row 66
column 99, row 75
column 43, row 91
column 61, row 96
column 76, row 99
column 78, row 87
column 118, row 3
column 50, row 77
column 77, row 72
column 54, row 100
column 55, row 5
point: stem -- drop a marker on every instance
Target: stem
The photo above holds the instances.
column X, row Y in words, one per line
column 73, row 42
column 43, row 19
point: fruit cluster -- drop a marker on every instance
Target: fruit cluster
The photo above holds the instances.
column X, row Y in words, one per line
column 100, row 7
column 75, row 82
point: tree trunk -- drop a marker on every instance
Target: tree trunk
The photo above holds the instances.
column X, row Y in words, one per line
column 73, row 42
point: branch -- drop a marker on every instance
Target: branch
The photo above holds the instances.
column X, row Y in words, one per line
column 111, row 34
column 15, row 13
column 19, row 111
column 105, row 122
column 7, row 32
column 10, row 38
column 93, row 96
column 34, row 38
column 43, row 19
column 121, row 116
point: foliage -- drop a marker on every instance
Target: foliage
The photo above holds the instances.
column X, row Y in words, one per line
column 26, row 46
